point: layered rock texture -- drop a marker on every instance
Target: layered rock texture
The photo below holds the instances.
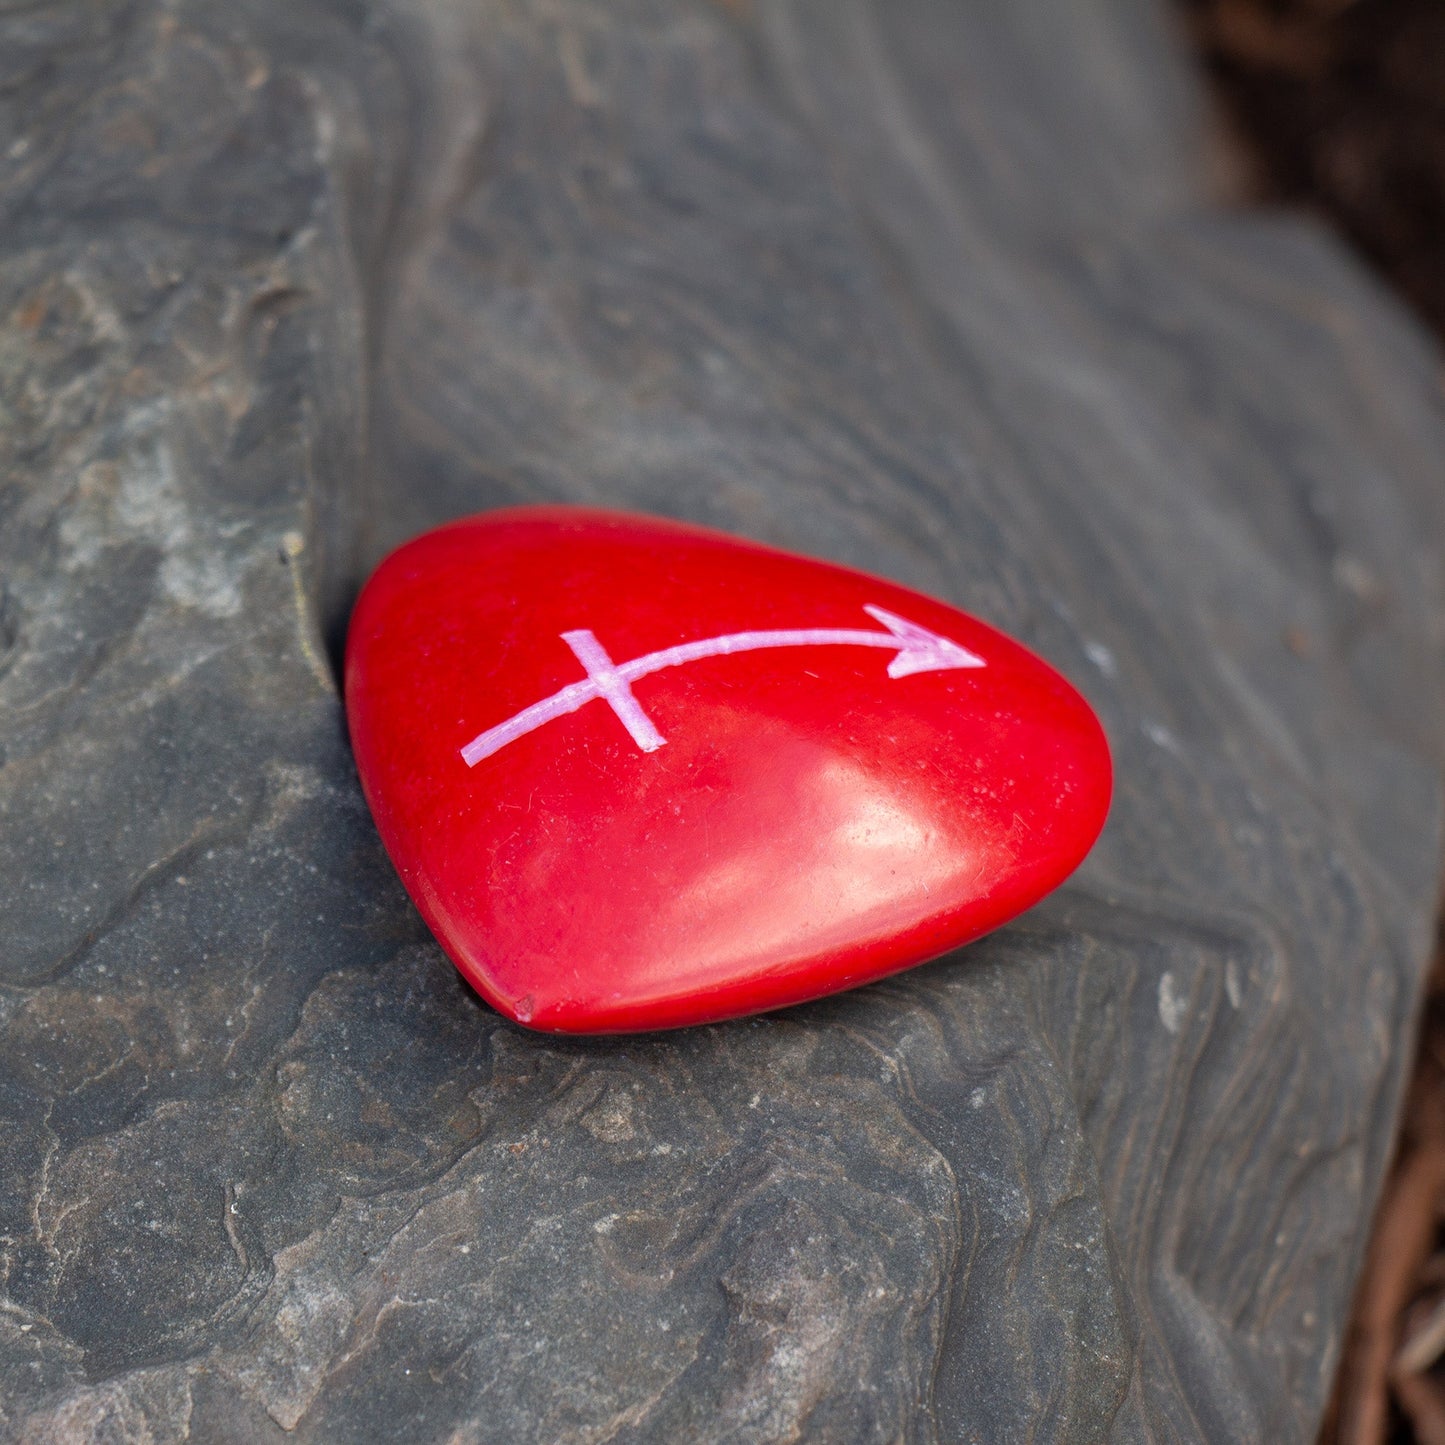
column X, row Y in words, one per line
column 937, row 290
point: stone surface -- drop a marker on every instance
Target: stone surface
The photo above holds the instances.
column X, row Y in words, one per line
column 936, row 291
column 741, row 800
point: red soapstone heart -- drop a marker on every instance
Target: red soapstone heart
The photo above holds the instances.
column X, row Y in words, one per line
column 636, row 774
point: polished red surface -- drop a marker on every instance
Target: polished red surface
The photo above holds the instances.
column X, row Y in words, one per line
column 754, row 814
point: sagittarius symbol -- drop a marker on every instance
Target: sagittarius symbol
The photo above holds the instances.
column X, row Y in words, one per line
column 915, row 649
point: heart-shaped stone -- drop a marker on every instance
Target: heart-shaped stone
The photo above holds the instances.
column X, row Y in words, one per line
column 636, row 774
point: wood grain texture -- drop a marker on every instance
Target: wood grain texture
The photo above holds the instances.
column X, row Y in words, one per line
column 933, row 290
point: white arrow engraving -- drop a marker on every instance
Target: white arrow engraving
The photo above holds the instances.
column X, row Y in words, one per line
column 916, row 648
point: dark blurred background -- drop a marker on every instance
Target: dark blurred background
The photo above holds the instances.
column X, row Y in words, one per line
column 1340, row 105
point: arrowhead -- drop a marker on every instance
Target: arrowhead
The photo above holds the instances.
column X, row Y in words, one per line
column 920, row 650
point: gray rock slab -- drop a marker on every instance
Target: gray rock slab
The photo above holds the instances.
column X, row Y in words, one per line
column 935, row 290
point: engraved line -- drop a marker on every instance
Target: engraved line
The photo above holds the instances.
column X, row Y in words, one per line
column 916, row 649
column 612, row 684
